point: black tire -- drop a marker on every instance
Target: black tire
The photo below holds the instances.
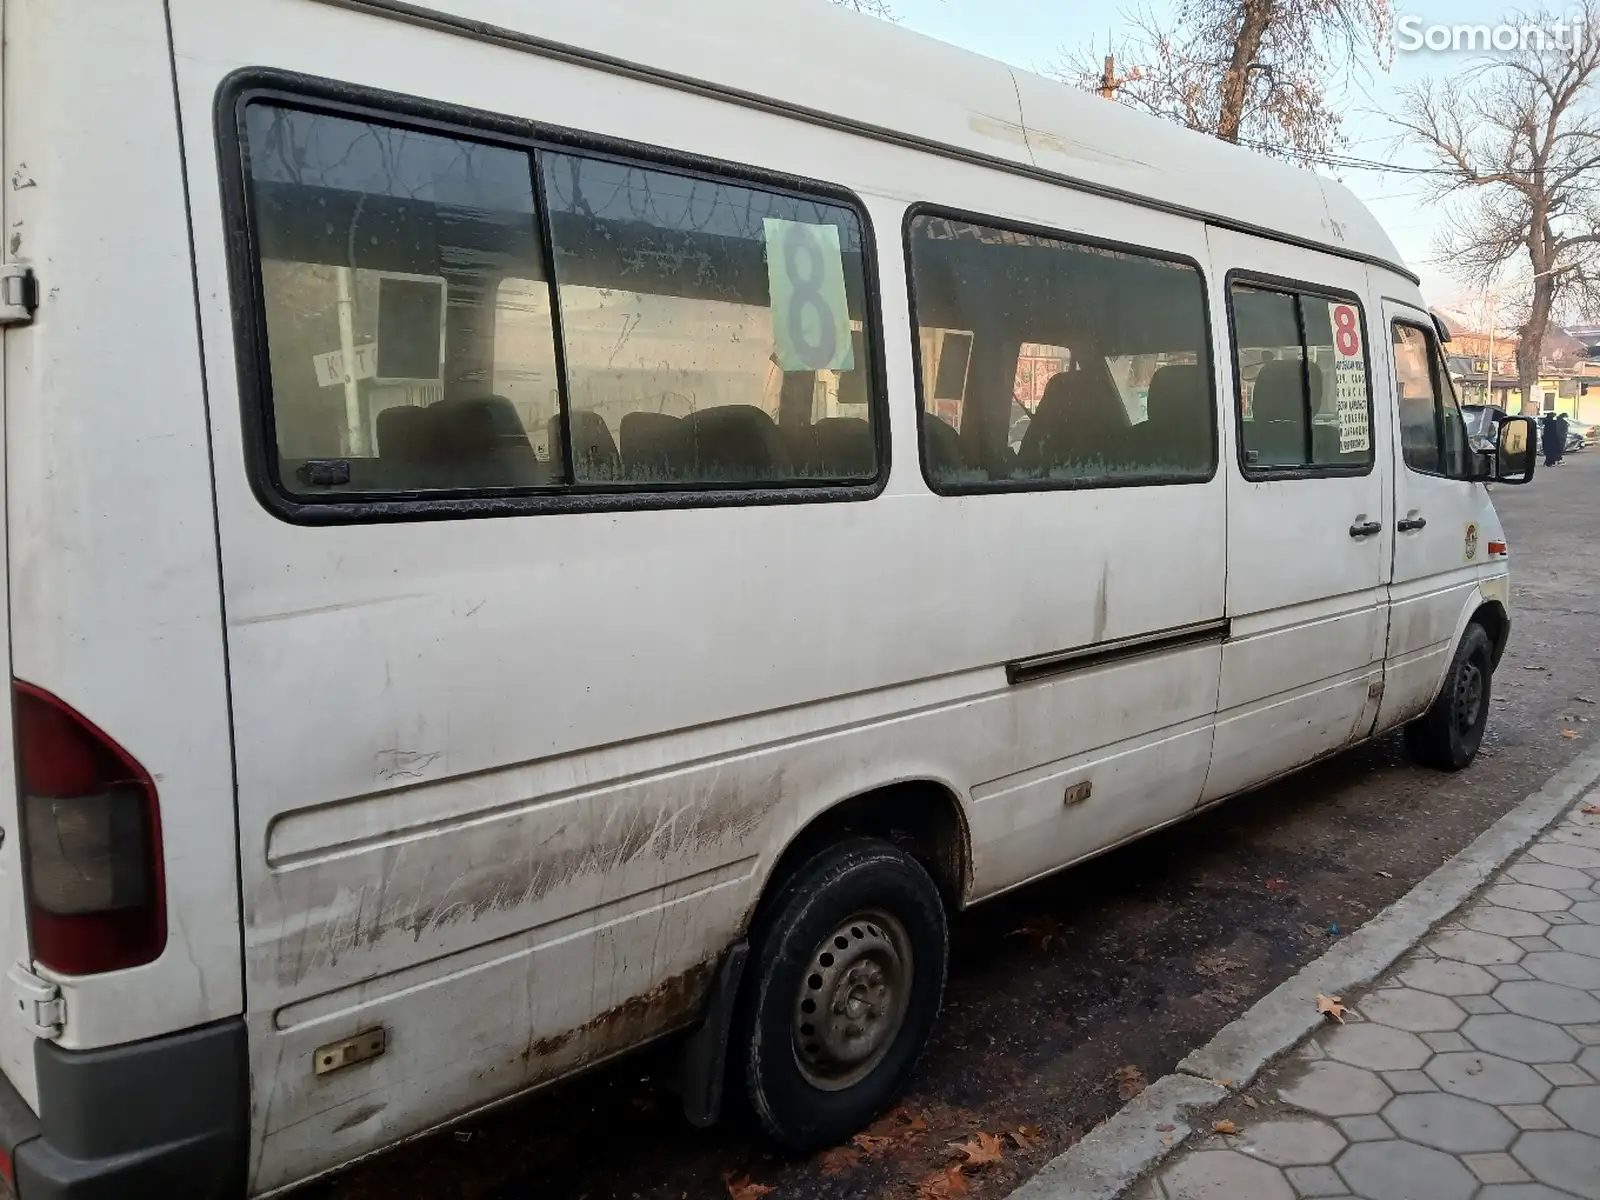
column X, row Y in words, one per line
column 1448, row 735
column 882, row 904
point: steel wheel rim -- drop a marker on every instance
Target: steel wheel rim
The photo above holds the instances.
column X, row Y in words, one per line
column 1469, row 697
column 852, row 1000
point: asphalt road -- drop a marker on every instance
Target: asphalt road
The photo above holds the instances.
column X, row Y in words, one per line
column 1067, row 991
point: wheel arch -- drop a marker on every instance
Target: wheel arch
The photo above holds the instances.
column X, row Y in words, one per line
column 1496, row 622
column 924, row 816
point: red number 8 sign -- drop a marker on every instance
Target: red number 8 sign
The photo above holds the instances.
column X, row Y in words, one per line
column 1346, row 331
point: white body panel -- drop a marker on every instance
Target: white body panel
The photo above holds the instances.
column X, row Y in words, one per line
column 110, row 520
column 1303, row 666
column 509, row 787
column 16, row 1043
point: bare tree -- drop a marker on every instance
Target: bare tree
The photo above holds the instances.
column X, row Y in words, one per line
column 1514, row 143
column 1256, row 72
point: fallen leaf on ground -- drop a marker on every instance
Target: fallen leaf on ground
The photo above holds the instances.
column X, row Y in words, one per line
column 1249, row 1102
column 1569, row 733
column 1043, row 930
column 743, row 1189
column 1165, row 1127
column 1583, row 699
column 1534, row 667
column 1592, row 809
column 942, row 1184
column 1129, row 1080
column 1385, row 875
column 871, row 1143
column 1227, row 1127
column 1027, row 1136
column 1277, row 885
column 985, row 1148
column 838, row 1160
column 1329, row 1006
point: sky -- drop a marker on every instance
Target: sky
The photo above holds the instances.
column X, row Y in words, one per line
column 1035, row 34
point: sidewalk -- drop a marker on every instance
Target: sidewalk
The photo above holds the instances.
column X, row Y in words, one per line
column 1470, row 1071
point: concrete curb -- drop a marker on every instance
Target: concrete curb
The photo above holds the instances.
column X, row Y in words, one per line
column 1125, row 1147
column 1117, row 1153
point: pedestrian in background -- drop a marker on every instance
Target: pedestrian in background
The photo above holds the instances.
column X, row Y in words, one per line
column 1552, row 443
column 1561, row 437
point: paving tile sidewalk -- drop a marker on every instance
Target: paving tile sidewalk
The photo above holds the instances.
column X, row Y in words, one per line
column 1471, row 1071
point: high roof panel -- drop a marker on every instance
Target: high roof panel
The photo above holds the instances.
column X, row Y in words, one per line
column 815, row 56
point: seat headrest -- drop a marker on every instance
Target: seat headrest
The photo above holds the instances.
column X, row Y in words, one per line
column 738, row 440
column 1175, row 394
column 653, row 444
column 592, row 445
column 402, row 433
column 840, row 446
column 941, row 444
column 1280, row 392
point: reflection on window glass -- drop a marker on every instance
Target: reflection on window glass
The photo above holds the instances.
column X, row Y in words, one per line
column 1077, row 364
column 380, row 252
column 1419, row 429
column 1433, row 434
column 1456, row 448
column 714, row 333
column 1302, row 377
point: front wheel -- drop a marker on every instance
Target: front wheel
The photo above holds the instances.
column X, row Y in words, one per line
column 1448, row 735
column 844, row 984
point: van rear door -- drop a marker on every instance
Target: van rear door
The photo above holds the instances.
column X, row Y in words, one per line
column 16, row 1043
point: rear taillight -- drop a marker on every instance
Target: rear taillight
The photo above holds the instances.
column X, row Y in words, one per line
column 91, row 841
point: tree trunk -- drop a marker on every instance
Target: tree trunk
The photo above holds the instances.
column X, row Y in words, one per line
column 1255, row 20
column 1531, row 342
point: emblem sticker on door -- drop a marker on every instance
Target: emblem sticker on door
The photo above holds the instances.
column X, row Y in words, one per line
column 1472, row 542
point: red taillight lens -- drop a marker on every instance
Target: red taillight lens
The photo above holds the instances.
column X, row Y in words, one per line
column 91, row 834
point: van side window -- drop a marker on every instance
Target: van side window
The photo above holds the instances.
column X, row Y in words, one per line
column 1045, row 362
column 380, row 250
column 445, row 317
column 1300, row 365
column 1433, row 435
column 715, row 331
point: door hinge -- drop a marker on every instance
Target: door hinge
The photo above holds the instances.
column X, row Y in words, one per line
column 19, row 294
column 38, row 1002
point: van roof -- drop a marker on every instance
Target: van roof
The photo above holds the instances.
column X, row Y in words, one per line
column 831, row 64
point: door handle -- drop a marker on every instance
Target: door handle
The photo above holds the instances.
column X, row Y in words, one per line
column 1408, row 524
column 1363, row 529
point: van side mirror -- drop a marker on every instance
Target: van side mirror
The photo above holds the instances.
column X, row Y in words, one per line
column 1515, row 450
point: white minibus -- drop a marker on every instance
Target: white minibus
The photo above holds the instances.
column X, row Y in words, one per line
column 533, row 528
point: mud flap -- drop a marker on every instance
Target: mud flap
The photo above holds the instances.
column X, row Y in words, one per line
column 703, row 1065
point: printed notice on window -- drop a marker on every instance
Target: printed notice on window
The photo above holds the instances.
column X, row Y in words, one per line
column 810, row 316
column 1350, row 378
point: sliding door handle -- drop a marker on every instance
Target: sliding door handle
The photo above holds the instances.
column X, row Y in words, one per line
column 1408, row 524
column 1363, row 529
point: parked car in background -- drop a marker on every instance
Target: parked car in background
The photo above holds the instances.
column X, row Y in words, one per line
column 1581, row 435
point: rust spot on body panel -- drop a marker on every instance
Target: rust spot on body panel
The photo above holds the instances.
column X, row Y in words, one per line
column 672, row 1002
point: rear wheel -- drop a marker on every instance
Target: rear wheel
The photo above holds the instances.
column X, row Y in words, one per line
column 1448, row 735
column 846, row 975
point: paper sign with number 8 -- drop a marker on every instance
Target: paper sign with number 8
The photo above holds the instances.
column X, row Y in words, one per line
column 810, row 313
column 1346, row 331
